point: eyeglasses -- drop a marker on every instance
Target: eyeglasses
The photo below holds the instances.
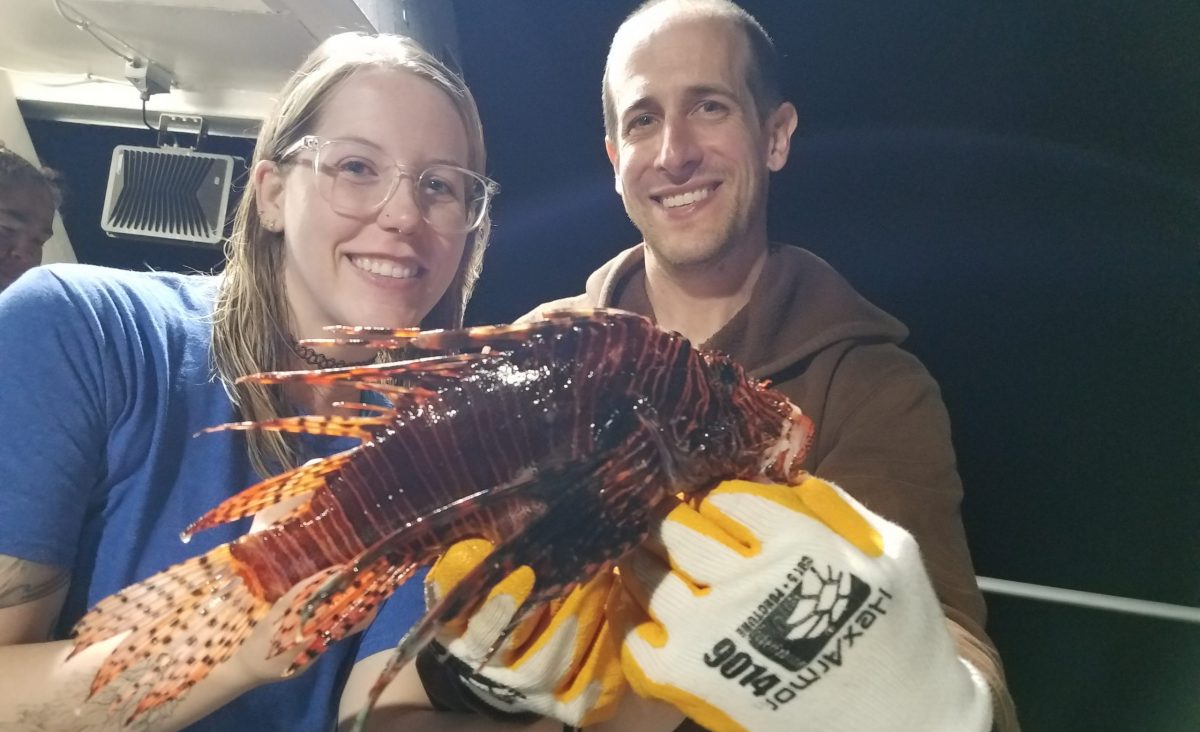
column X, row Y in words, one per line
column 358, row 180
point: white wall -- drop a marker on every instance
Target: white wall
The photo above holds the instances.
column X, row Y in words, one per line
column 15, row 136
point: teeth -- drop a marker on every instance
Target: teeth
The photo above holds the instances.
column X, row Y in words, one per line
column 384, row 267
column 684, row 199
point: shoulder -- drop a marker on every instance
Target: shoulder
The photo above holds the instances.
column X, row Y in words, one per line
column 881, row 362
column 102, row 290
column 878, row 408
column 859, row 385
column 869, row 374
column 600, row 286
column 102, row 325
column 565, row 303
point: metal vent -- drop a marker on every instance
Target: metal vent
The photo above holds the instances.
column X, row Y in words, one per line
column 167, row 194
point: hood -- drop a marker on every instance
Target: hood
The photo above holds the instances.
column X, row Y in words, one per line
column 799, row 306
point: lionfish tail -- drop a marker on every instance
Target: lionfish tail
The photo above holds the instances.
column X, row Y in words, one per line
column 181, row 624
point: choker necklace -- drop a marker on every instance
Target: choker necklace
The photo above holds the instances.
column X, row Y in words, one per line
column 320, row 360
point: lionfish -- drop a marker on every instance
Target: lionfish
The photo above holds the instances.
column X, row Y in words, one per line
column 559, row 440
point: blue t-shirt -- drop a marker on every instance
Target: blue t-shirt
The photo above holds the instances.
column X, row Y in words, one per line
column 105, row 379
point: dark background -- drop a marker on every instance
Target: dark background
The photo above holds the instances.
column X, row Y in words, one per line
column 1019, row 182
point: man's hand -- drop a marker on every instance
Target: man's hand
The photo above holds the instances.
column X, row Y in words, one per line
column 561, row 662
column 771, row 607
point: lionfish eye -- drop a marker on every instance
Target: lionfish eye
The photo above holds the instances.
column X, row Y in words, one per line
column 727, row 373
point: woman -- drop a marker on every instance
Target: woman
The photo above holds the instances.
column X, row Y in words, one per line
column 107, row 375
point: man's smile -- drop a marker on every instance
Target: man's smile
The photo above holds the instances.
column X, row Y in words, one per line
column 684, row 198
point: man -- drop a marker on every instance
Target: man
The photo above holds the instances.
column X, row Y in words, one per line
column 28, row 199
column 695, row 123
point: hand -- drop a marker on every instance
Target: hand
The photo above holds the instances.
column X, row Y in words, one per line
column 561, row 662
column 792, row 608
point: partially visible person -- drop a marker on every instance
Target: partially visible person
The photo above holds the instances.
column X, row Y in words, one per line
column 29, row 196
column 366, row 204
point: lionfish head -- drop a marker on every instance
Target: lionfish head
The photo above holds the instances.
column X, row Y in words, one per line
column 771, row 435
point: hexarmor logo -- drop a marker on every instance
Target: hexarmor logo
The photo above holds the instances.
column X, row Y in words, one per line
column 795, row 630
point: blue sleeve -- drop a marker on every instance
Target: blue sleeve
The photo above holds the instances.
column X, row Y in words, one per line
column 54, row 395
column 399, row 613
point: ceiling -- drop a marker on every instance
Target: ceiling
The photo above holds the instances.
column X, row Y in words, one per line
column 226, row 57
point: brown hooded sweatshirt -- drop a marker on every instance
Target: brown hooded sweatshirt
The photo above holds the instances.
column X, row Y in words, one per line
column 882, row 430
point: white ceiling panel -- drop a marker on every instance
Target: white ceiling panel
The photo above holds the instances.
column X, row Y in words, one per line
column 227, row 57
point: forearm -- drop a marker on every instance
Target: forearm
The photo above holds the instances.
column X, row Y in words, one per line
column 405, row 705
column 427, row 720
column 40, row 689
column 986, row 660
column 635, row 714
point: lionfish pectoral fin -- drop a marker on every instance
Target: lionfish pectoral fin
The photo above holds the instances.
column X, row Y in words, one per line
column 182, row 623
column 629, row 468
column 594, row 521
column 522, row 489
column 296, row 482
column 559, row 485
column 348, row 594
column 530, row 618
column 341, row 613
column 590, row 507
column 288, row 631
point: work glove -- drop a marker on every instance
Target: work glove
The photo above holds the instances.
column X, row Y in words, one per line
column 769, row 607
column 562, row 661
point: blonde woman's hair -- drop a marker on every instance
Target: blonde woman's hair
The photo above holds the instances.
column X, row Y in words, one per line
column 252, row 320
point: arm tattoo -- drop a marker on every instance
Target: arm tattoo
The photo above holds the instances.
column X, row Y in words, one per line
column 74, row 711
column 22, row 581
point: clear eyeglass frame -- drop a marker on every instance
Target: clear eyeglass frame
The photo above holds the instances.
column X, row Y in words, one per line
column 452, row 199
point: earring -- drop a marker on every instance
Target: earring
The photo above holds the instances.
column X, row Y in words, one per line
column 268, row 222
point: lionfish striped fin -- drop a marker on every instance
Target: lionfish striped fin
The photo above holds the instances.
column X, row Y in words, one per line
column 504, row 335
column 448, row 366
column 364, row 335
column 311, row 424
column 296, row 482
column 172, row 674
column 122, row 610
column 288, row 632
column 446, row 340
column 364, row 407
column 631, row 466
column 342, row 612
column 182, row 622
column 327, row 611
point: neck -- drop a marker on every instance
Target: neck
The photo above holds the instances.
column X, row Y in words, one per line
column 306, row 357
column 697, row 300
column 314, row 399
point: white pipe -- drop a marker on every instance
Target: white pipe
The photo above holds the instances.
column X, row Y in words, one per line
column 1113, row 603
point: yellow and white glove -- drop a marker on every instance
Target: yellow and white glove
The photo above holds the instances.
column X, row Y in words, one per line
column 792, row 608
column 563, row 661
